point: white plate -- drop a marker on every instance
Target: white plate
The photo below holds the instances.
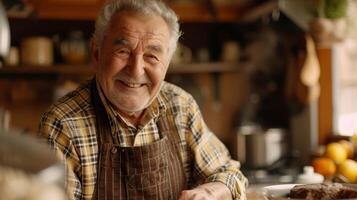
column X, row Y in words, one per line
column 282, row 190
column 278, row 190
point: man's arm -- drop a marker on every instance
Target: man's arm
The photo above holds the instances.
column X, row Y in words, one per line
column 55, row 133
column 213, row 163
column 209, row 191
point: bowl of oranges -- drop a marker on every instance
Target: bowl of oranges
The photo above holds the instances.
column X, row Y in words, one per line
column 337, row 162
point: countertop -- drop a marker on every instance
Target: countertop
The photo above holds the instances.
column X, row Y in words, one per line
column 255, row 192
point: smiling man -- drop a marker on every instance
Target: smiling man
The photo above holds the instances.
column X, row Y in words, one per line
column 132, row 60
column 128, row 134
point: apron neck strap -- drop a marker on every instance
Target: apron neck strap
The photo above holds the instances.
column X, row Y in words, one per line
column 102, row 119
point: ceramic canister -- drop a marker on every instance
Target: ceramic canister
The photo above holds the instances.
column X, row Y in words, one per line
column 37, row 51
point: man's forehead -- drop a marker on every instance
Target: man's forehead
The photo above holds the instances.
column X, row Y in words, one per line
column 137, row 25
column 133, row 32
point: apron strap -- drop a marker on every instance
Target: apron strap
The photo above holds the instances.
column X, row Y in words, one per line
column 103, row 130
column 103, row 133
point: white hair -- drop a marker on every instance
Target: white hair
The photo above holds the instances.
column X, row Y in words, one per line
column 145, row 7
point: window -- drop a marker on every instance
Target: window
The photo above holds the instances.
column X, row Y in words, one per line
column 345, row 87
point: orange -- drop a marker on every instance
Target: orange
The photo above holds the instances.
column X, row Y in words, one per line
column 324, row 166
column 348, row 146
column 348, row 169
column 336, row 152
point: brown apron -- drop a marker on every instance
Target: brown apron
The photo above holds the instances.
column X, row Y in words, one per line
column 153, row 171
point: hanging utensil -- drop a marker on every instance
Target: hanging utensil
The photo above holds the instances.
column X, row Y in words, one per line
column 310, row 73
column 4, row 34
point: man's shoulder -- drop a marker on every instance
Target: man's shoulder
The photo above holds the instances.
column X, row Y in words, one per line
column 172, row 92
column 73, row 103
column 176, row 97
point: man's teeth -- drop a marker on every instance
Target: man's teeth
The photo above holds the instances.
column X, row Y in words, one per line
column 133, row 85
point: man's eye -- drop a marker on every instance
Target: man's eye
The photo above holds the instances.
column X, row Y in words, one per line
column 152, row 57
column 122, row 51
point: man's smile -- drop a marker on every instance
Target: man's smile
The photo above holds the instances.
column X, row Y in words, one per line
column 132, row 84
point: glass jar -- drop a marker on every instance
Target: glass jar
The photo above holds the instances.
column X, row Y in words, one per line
column 74, row 49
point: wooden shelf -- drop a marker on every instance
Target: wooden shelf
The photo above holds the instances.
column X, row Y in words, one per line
column 257, row 11
column 68, row 9
column 206, row 67
column 55, row 69
column 187, row 12
column 193, row 12
column 87, row 70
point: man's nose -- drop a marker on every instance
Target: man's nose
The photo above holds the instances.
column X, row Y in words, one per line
column 136, row 65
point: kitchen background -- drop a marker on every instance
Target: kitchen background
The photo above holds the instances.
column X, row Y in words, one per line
column 261, row 74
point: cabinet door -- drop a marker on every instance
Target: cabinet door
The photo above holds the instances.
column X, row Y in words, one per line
column 68, row 9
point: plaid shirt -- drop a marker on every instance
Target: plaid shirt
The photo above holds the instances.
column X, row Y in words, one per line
column 69, row 127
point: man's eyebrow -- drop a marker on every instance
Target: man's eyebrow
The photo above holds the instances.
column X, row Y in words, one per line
column 156, row 48
column 121, row 42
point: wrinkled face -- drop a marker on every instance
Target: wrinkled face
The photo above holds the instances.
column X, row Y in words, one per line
column 133, row 59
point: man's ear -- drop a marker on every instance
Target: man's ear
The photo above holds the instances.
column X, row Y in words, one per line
column 94, row 51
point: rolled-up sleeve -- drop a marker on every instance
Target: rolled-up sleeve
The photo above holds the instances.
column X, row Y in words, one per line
column 212, row 161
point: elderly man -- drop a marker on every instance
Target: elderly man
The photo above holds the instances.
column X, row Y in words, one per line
column 128, row 134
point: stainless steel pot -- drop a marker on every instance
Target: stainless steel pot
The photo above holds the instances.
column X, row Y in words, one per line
column 259, row 148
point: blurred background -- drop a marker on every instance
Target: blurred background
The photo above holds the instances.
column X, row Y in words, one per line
column 276, row 80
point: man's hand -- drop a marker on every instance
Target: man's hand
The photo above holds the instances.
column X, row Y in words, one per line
column 207, row 191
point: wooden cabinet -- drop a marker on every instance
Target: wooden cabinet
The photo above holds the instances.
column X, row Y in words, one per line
column 194, row 12
column 188, row 11
column 67, row 9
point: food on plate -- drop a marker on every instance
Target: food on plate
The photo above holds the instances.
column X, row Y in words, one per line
column 323, row 191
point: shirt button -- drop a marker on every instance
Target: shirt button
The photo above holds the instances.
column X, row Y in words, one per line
column 114, row 150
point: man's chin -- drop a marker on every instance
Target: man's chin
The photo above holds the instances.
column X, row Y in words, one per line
column 132, row 107
column 131, row 110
